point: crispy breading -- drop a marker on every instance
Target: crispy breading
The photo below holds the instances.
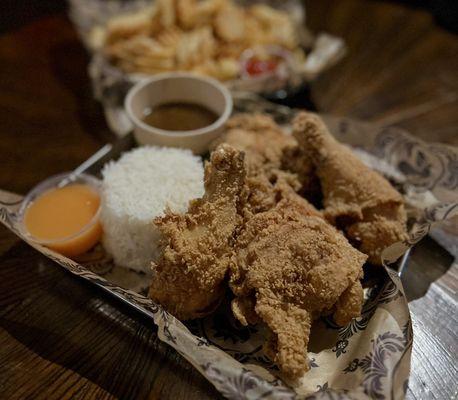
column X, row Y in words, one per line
column 262, row 141
column 295, row 161
column 283, row 260
column 291, row 267
column 355, row 198
column 381, row 226
column 189, row 277
column 349, row 304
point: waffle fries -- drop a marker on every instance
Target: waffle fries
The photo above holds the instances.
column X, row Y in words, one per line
column 203, row 36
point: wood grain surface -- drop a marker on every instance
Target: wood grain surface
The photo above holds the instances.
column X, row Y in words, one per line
column 400, row 68
column 62, row 339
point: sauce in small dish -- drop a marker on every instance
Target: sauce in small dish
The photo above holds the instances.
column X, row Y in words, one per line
column 179, row 116
column 264, row 62
column 65, row 219
column 256, row 66
column 166, row 108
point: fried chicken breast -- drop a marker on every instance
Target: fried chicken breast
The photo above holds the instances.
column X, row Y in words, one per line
column 291, row 267
column 189, row 277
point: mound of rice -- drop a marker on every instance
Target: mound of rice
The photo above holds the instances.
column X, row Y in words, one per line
column 136, row 189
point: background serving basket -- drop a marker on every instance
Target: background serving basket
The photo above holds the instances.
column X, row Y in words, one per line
column 110, row 83
column 368, row 358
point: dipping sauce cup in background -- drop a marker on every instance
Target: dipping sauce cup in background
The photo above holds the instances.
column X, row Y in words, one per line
column 63, row 203
column 178, row 87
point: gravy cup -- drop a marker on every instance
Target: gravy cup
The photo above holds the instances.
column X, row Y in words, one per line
column 177, row 87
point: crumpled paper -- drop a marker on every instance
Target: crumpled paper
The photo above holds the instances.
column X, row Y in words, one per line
column 370, row 357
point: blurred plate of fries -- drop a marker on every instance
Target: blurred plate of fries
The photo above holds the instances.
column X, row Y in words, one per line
column 253, row 46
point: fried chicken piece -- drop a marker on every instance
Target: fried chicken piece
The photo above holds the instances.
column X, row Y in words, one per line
column 291, row 267
column 356, row 199
column 259, row 137
column 286, row 194
column 294, row 161
column 189, row 277
column 262, row 141
column 349, row 304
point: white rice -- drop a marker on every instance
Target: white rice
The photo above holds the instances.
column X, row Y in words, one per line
column 136, row 189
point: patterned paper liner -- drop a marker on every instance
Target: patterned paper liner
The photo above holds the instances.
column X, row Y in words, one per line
column 110, row 84
column 369, row 358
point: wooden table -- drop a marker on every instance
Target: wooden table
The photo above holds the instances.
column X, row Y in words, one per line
column 59, row 337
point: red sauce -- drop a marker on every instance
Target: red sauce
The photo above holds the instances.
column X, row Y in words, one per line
column 255, row 66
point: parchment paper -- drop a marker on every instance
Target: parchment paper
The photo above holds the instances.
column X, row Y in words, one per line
column 369, row 358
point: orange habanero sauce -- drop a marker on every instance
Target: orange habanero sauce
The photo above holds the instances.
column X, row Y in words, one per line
column 62, row 219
